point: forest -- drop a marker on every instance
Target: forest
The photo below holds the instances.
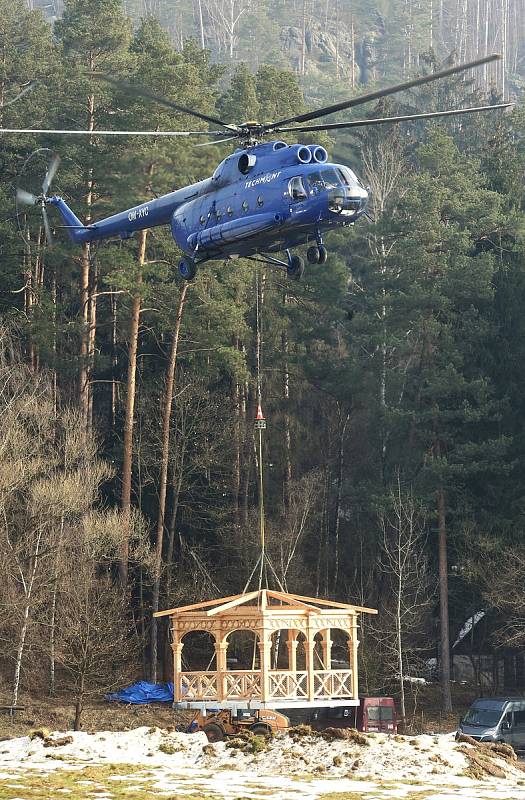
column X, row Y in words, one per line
column 392, row 377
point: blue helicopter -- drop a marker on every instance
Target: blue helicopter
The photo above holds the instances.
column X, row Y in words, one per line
column 265, row 198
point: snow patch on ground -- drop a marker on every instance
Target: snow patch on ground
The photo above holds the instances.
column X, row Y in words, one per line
column 307, row 768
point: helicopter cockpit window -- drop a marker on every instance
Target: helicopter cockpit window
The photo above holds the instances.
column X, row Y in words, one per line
column 315, row 182
column 349, row 177
column 330, row 178
column 296, row 189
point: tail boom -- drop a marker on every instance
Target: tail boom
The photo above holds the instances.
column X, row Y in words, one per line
column 146, row 215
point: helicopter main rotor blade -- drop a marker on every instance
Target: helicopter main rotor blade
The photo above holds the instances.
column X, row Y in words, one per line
column 361, row 123
column 216, row 141
column 28, row 88
column 26, row 198
column 366, row 98
column 114, row 133
column 50, row 174
column 143, row 92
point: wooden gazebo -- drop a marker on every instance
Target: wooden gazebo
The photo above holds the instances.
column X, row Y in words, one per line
column 270, row 617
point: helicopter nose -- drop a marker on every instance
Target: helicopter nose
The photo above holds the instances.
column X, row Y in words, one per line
column 360, row 195
column 348, row 202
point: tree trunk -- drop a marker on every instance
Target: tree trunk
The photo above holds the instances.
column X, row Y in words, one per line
column 114, row 363
column 443, row 599
column 127, row 461
column 84, row 386
column 92, row 331
column 303, row 42
column 28, row 592
column 168, row 402
column 340, row 476
column 79, row 704
column 52, row 622
column 399, row 636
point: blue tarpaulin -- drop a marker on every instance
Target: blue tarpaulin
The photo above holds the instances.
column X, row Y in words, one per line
column 143, row 692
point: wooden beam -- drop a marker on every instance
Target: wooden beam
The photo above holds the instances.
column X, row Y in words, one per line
column 292, row 600
column 195, row 606
column 364, row 610
column 237, row 601
column 334, row 604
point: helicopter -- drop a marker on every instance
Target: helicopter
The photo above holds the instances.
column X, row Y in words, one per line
column 266, row 198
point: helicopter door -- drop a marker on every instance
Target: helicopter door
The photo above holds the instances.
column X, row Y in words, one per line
column 297, row 194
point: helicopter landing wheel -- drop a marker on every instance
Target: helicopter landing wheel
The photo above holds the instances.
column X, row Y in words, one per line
column 313, row 254
column 187, row 269
column 295, row 268
column 323, row 254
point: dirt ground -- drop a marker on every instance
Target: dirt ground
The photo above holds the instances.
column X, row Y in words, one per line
column 424, row 714
column 98, row 715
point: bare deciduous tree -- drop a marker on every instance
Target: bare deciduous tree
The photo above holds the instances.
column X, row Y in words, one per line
column 409, row 584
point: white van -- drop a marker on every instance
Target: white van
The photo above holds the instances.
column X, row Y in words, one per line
column 496, row 719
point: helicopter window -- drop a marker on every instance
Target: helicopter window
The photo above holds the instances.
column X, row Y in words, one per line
column 229, row 211
column 245, row 205
column 349, row 177
column 315, row 181
column 260, row 200
column 202, row 219
column 296, row 189
column 331, row 178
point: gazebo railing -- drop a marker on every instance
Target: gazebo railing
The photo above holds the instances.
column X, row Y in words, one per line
column 333, row 683
column 242, row 684
column 287, row 685
column 199, row 685
column 282, row 685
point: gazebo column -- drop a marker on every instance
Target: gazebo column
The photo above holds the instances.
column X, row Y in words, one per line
column 353, row 644
column 309, row 647
column 326, row 645
column 291, row 644
column 265, row 652
column 177, row 669
column 221, row 667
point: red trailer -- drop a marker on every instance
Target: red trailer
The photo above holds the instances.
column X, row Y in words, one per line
column 371, row 715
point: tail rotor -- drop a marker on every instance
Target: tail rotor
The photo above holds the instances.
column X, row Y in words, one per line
column 25, row 198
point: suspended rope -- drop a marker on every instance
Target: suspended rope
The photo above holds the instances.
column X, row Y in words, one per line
column 260, row 426
column 263, row 561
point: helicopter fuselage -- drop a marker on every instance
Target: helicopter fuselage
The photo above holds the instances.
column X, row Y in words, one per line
column 260, row 200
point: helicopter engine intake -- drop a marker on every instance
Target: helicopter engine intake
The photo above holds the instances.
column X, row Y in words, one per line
column 319, row 154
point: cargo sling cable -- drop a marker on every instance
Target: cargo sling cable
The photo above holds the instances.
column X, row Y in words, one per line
column 263, row 562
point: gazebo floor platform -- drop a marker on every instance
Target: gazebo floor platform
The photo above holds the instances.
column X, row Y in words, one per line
column 210, row 705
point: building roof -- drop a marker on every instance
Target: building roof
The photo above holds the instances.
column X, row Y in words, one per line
column 266, row 600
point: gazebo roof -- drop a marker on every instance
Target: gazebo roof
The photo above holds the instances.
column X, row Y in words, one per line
column 266, row 600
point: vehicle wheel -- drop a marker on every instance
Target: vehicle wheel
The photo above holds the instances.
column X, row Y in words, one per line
column 323, row 254
column 214, row 732
column 295, row 268
column 187, row 269
column 260, row 729
column 313, row 255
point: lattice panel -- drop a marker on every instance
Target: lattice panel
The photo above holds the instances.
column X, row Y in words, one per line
column 288, row 685
column 242, row 685
column 198, row 686
column 333, row 683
